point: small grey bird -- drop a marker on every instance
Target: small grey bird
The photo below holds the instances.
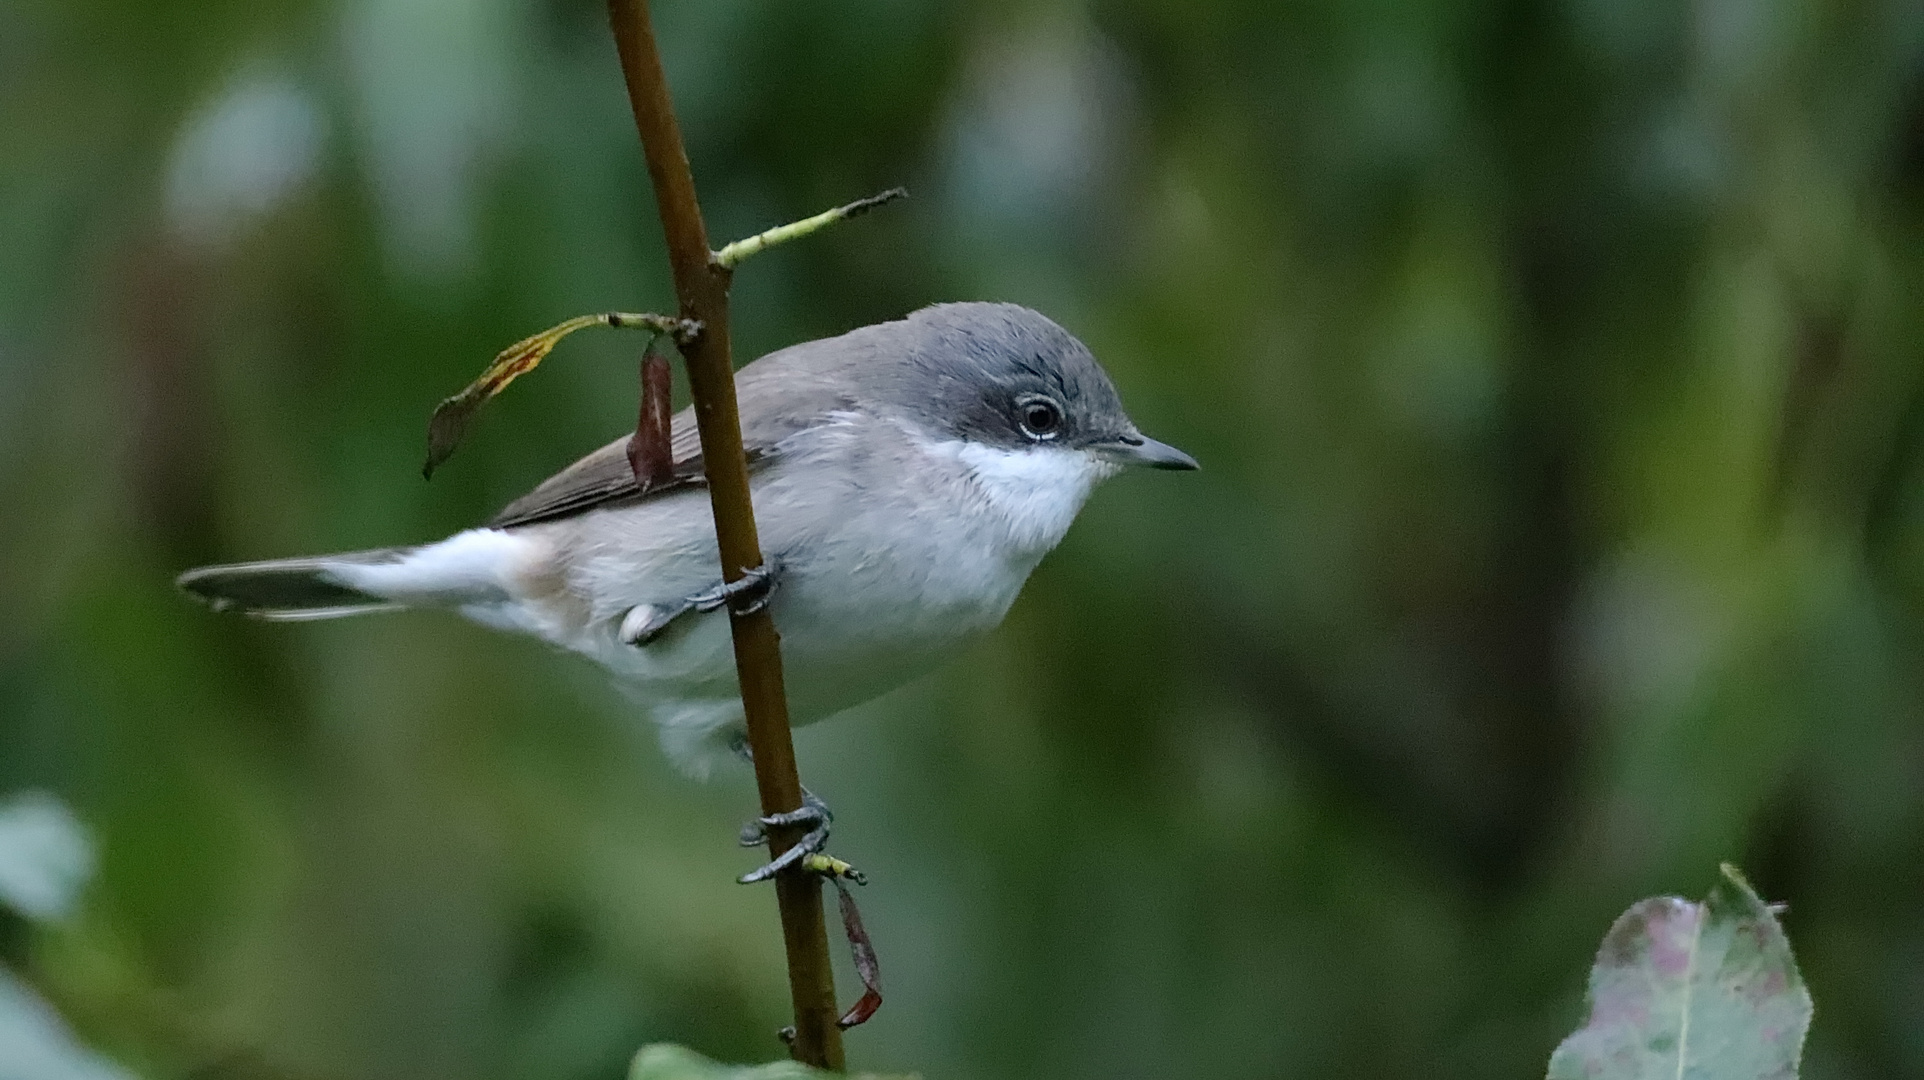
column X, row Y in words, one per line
column 906, row 478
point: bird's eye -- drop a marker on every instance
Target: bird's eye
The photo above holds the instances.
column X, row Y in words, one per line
column 1040, row 417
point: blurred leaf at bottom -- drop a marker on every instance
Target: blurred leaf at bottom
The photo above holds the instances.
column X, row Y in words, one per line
column 664, row 1061
column 1707, row 991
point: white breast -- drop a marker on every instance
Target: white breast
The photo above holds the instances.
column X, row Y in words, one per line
column 1031, row 495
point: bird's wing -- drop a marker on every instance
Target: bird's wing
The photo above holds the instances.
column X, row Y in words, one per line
column 811, row 393
column 602, row 478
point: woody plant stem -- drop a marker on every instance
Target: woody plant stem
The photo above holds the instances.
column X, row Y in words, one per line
column 701, row 287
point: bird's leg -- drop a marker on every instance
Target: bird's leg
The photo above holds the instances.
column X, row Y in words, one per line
column 806, row 854
column 645, row 622
column 750, row 593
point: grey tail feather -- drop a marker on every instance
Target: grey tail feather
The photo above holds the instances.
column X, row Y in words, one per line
column 289, row 590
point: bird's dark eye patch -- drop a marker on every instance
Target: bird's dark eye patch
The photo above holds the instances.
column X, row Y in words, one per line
column 1040, row 417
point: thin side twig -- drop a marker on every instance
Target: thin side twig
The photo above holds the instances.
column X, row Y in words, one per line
column 701, row 287
column 732, row 255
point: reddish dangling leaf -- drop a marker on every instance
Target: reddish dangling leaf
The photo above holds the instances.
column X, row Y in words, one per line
column 649, row 452
column 866, row 965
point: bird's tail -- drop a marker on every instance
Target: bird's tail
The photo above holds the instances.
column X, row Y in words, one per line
column 469, row 567
column 291, row 590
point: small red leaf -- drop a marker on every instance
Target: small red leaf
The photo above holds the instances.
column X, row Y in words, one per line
column 649, row 452
column 866, row 965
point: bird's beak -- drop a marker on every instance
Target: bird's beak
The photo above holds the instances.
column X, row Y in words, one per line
column 1139, row 449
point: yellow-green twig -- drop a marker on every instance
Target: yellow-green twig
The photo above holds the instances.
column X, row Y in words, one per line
column 728, row 257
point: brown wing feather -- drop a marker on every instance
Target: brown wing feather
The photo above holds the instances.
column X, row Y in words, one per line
column 603, row 478
column 810, row 377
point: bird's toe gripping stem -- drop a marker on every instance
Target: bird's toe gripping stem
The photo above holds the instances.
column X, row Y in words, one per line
column 744, row 596
column 806, row 854
column 645, row 622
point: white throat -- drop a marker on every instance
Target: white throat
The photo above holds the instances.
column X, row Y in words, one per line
column 1033, row 493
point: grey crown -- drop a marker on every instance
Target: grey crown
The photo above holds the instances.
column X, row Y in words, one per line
column 958, row 370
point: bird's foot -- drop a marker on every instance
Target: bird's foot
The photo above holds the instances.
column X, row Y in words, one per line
column 646, row 622
column 744, row 596
column 806, row 854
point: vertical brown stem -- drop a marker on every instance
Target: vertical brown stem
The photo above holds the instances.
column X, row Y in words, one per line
column 701, row 286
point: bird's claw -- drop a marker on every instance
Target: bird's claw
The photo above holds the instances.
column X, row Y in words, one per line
column 806, row 854
column 645, row 622
column 813, row 813
column 744, row 596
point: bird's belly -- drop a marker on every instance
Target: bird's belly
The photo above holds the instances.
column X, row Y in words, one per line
column 830, row 672
column 844, row 641
column 826, row 670
column 853, row 624
column 842, row 647
column 835, row 655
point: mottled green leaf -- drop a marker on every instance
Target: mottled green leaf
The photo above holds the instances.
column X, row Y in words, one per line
column 664, row 1061
column 1686, row 991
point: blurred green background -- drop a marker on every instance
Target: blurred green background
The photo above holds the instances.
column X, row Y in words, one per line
column 1555, row 368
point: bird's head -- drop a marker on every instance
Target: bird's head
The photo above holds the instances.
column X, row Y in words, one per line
column 1006, row 377
column 1024, row 404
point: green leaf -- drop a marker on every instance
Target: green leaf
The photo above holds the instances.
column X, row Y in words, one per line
column 664, row 1061
column 1685, row 991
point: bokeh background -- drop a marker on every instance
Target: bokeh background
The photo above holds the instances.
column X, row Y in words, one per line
column 1556, row 370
